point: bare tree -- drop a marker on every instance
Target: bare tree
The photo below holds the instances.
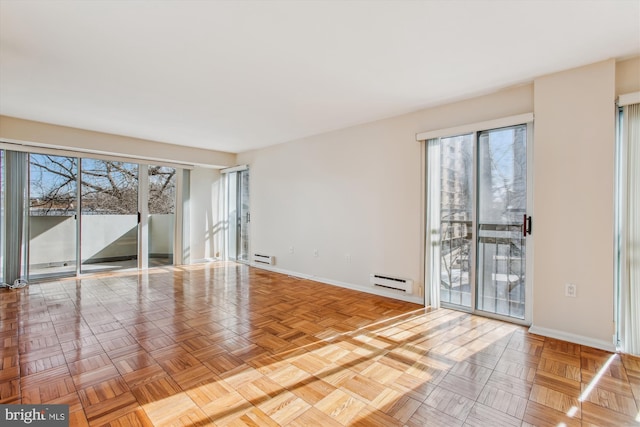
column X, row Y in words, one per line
column 52, row 185
column 107, row 187
column 162, row 190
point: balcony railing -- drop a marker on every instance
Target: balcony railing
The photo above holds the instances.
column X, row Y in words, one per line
column 500, row 272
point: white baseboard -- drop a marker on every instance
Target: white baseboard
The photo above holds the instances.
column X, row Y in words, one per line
column 370, row 290
column 203, row 260
column 574, row 338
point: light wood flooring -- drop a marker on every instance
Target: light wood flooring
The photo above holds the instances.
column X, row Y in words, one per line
column 225, row 344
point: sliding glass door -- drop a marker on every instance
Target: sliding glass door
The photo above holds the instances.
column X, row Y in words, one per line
column 501, row 221
column 65, row 215
column 456, row 214
column 238, row 215
column 477, row 221
column 109, row 232
column 244, row 216
column 53, row 206
column 161, row 215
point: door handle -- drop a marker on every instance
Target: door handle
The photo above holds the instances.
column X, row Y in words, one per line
column 527, row 225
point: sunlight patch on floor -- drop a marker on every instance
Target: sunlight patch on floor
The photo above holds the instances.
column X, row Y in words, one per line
column 596, row 379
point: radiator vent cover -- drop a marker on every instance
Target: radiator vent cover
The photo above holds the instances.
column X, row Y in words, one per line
column 393, row 283
column 264, row 259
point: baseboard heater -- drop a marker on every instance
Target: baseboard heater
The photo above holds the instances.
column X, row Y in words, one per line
column 264, row 259
column 394, row 283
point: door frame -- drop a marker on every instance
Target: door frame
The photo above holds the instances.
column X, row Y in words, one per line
column 232, row 212
column 178, row 232
column 475, row 129
column 528, row 306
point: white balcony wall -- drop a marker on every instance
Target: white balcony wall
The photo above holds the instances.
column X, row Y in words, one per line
column 161, row 234
column 52, row 240
column 111, row 236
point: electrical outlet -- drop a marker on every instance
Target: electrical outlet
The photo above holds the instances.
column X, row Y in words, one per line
column 316, row 253
column 347, row 258
column 291, row 249
column 570, row 290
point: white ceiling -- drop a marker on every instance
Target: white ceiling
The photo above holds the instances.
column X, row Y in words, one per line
column 239, row 75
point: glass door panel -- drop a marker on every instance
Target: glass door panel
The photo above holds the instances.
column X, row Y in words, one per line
column 477, row 221
column 502, row 206
column 52, row 215
column 456, row 214
column 161, row 220
column 237, row 233
column 232, row 216
column 243, row 212
column 109, row 215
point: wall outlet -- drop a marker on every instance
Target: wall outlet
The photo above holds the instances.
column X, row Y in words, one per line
column 291, row 249
column 316, row 253
column 347, row 258
column 570, row 290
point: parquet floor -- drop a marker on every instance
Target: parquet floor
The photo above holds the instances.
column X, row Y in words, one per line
column 225, row 344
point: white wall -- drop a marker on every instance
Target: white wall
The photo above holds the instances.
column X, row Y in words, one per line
column 52, row 238
column 47, row 135
column 356, row 192
column 161, row 233
column 574, row 155
column 206, row 228
column 359, row 191
column 628, row 76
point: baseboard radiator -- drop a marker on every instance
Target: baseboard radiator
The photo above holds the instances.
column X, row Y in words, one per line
column 393, row 283
column 264, row 259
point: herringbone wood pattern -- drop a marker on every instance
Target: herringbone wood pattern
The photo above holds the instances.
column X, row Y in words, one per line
column 225, row 344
